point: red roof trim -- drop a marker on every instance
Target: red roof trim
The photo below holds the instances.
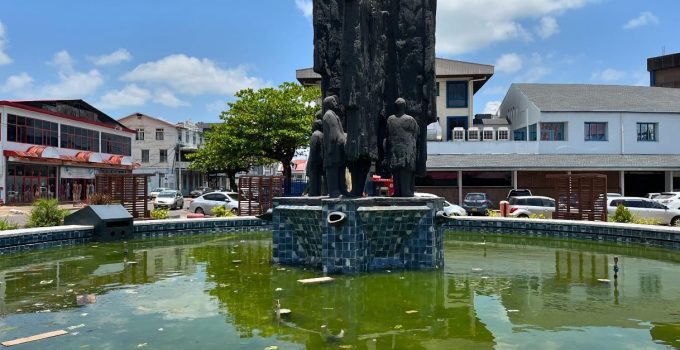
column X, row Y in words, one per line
column 61, row 115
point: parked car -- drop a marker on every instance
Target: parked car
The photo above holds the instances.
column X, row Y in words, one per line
column 200, row 191
column 645, row 208
column 652, row 195
column 477, row 203
column 449, row 208
column 669, row 199
column 169, row 199
column 525, row 206
column 205, row 203
column 153, row 194
column 518, row 193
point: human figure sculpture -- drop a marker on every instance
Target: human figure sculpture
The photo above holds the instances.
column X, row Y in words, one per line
column 315, row 159
column 333, row 148
column 401, row 149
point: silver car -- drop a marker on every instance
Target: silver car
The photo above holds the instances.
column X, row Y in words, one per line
column 169, row 199
column 646, row 209
column 205, row 203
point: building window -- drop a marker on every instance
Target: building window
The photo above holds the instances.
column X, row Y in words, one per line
column 164, row 156
column 503, row 134
column 437, row 87
column 647, row 131
column 28, row 182
column 488, row 134
column 33, row 131
column 78, row 138
column 160, row 134
column 520, row 134
column 140, row 135
column 456, row 94
column 532, row 132
column 116, row 144
column 145, row 156
column 194, row 138
column 595, row 131
column 552, row 132
column 179, row 135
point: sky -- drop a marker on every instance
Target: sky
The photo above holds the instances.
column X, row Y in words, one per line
column 184, row 60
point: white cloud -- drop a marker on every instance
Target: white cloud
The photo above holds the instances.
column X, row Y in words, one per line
column 548, row 27
column 16, row 83
column 305, row 6
column 116, row 57
column 168, row 99
column 216, row 106
column 492, row 107
column 4, row 58
column 537, row 71
column 73, row 85
column 130, row 96
column 63, row 61
column 608, row 75
column 645, row 18
column 194, row 76
column 467, row 26
column 509, row 63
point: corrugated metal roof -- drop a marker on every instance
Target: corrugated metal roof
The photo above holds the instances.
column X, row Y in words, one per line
column 444, row 67
column 601, row 98
column 552, row 161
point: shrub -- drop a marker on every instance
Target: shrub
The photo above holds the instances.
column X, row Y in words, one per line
column 160, row 214
column 46, row 213
column 221, row 211
column 493, row 213
column 537, row 216
column 6, row 225
column 100, row 199
column 622, row 215
column 645, row 221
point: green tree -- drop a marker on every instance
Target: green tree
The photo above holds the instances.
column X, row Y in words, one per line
column 261, row 127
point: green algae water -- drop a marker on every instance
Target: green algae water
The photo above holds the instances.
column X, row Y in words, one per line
column 219, row 292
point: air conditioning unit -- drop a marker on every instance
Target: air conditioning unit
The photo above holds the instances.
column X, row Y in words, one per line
column 503, row 134
column 473, row 134
column 488, row 134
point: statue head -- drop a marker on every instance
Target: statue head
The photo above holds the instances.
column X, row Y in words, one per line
column 330, row 103
column 317, row 125
column 319, row 114
column 400, row 103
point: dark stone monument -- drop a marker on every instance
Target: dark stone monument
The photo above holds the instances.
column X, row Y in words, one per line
column 401, row 149
column 369, row 53
column 333, row 148
column 315, row 159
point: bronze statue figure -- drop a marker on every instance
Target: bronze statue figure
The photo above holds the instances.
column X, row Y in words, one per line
column 333, row 148
column 401, row 149
column 315, row 159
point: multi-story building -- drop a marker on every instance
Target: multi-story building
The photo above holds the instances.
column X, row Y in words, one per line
column 54, row 149
column 664, row 71
column 457, row 83
column 161, row 149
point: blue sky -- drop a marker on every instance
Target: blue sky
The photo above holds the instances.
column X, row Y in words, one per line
column 182, row 60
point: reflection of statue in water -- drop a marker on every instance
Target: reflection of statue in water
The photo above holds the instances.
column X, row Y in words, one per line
column 401, row 149
column 315, row 159
column 333, row 148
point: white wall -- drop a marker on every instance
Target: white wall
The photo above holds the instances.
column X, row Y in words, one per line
column 443, row 112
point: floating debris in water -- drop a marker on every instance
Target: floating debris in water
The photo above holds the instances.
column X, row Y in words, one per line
column 43, row 311
column 345, row 346
column 273, row 347
column 485, row 277
column 318, row 280
column 477, row 269
column 84, row 314
column 76, row 327
column 131, row 263
column 46, row 282
column 85, row 299
column 38, row 304
column 398, row 326
column 409, row 312
column 34, row 338
column 513, row 310
column 236, row 261
column 603, row 280
column 160, row 329
column 142, row 345
column 278, row 289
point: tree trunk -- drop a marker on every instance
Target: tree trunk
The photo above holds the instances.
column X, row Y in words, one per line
column 232, row 182
column 287, row 174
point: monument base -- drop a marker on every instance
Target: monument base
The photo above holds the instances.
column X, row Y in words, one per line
column 358, row 235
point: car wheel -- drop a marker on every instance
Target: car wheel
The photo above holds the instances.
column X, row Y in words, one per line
column 234, row 211
column 199, row 210
column 675, row 221
column 523, row 216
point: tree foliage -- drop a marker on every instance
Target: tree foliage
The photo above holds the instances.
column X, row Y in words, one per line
column 261, row 127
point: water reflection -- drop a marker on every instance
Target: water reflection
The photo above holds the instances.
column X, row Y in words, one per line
column 220, row 290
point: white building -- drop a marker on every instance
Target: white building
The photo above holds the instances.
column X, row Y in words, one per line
column 54, row 149
column 158, row 145
column 626, row 132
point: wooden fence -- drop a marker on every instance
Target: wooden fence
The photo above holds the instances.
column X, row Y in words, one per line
column 255, row 193
column 130, row 190
column 580, row 196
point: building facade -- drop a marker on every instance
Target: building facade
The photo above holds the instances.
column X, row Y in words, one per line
column 161, row 149
column 664, row 71
column 54, row 149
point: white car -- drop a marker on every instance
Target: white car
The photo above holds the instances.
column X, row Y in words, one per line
column 525, row 206
column 669, row 199
column 449, row 208
column 205, row 203
column 170, row 199
column 645, row 208
column 153, row 194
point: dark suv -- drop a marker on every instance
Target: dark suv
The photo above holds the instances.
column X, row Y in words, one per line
column 518, row 193
column 476, row 203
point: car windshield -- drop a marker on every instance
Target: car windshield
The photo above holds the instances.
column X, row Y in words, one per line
column 159, row 190
column 666, row 196
column 474, row 197
column 167, row 194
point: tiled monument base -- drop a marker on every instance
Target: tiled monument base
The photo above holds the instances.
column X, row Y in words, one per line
column 378, row 234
